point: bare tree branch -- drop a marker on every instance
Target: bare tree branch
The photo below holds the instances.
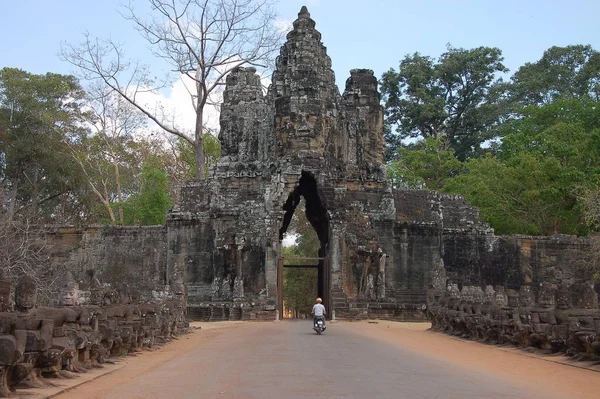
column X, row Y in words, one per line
column 203, row 40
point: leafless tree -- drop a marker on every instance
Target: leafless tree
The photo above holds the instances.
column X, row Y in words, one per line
column 114, row 121
column 25, row 249
column 202, row 40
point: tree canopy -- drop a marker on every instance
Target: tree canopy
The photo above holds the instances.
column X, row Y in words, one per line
column 537, row 169
column 453, row 97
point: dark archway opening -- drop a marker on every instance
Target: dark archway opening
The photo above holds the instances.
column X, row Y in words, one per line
column 316, row 215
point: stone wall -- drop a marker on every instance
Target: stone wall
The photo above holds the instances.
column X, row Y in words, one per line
column 526, row 291
column 128, row 255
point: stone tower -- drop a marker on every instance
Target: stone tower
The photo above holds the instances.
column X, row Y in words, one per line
column 305, row 140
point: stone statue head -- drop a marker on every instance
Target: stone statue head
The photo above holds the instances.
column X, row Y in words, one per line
column 513, row 298
column 526, row 299
column 96, row 292
column 453, row 291
column 501, row 298
column 135, row 296
column 5, row 302
column 546, row 296
column 69, row 292
column 466, row 294
column 124, row 294
column 478, row 295
column 110, row 297
column 588, row 298
column 489, row 294
column 25, row 294
column 438, row 277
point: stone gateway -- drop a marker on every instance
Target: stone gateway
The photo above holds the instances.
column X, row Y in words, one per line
column 305, row 140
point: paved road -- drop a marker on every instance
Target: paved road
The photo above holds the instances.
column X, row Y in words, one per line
column 287, row 360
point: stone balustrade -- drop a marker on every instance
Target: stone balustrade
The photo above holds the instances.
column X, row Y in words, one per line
column 41, row 343
column 547, row 317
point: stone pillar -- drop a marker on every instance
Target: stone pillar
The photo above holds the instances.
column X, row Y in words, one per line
column 335, row 256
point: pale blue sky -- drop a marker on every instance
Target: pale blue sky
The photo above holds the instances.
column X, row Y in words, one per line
column 358, row 34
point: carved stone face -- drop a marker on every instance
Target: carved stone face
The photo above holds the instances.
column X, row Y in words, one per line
column 467, row 294
column 546, row 296
column 453, row 291
column 563, row 299
column 588, row 298
column 478, row 295
column 25, row 294
column 500, row 297
column 69, row 295
column 526, row 297
column 96, row 292
column 513, row 298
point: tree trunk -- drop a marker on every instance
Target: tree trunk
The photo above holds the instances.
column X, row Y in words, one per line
column 35, row 193
column 106, row 202
column 119, row 195
column 11, row 202
column 199, row 130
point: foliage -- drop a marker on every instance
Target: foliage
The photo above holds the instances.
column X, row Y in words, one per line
column 590, row 202
column 567, row 72
column 424, row 165
column 185, row 151
column 527, row 195
column 38, row 115
column 546, row 159
column 150, row 205
column 454, row 97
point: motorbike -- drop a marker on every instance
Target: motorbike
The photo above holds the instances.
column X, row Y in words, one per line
column 319, row 325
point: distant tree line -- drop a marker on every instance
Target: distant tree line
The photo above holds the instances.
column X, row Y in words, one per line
column 525, row 151
column 70, row 156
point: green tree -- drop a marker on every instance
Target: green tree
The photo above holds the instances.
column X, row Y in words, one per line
column 428, row 164
column 454, row 98
column 527, row 195
column 150, row 205
column 545, row 164
column 567, row 72
column 39, row 114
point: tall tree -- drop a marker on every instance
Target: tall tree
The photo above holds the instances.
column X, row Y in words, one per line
column 38, row 115
column 454, row 98
column 150, row 205
column 103, row 155
column 544, row 174
column 202, row 40
column 568, row 72
column 427, row 164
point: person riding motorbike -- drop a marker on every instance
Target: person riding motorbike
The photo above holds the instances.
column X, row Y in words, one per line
column 319, row 312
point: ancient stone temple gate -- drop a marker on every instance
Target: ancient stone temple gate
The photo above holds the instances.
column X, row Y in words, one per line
column 383, row 247
column 305, row 140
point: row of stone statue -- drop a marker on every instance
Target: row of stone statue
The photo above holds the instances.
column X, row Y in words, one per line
column 553, row 317
column 38, row 343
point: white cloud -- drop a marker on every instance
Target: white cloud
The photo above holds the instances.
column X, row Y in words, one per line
column 175, row 106
column 283, row 25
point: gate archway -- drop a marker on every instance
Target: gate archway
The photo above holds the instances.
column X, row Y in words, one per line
column 323, row 272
